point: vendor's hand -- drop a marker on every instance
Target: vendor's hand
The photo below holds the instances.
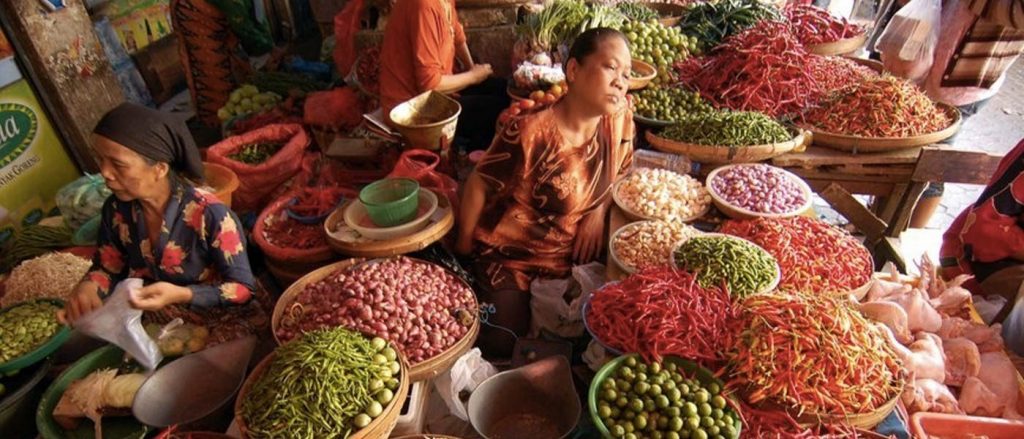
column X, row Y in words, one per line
column 84, row 300
column 159, row 295
column 589, row 238
column 481, row 72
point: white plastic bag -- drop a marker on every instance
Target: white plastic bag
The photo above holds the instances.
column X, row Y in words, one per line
column 552, row 312
column 907, row 45
column 468, row 372
column 118, row 323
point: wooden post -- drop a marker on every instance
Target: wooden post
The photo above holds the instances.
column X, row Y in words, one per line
column 69, row 68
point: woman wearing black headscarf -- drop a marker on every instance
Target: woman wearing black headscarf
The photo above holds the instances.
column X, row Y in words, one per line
column 186, row 245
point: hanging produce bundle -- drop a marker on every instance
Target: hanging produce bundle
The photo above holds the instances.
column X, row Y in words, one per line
column 728, row 128
column 762, row 69
column 636, row 11
column 328, row 383
column 814, row 256
column 814, row 25
column 663, row 311
column 712, row 22
column 658, row 45
column 668, row 103
column 834, row 75
column 883, row 107
column 720, row 260
column 420, row 307
column 561, row 22
column 812, row 354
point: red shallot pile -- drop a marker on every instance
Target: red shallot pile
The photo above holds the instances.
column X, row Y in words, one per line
column 419, row 306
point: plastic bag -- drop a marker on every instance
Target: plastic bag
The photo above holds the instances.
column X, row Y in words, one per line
column 258, row 182
column 988, row 307
column 549, row 307
column 119, row 323
column 82, row 200
column 907, row 44
column 421, row 165
column 468, row 372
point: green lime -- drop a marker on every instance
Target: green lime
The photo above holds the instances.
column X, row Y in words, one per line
column 718, row 402
column 689, row 409
column 704, row 409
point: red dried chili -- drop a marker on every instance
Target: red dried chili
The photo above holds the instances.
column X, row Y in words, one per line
column 834, row 75
column 813, row 255
column 283, row 231
column 664, row 311
column 886, row 106
column 814, row 25
column 764, row 68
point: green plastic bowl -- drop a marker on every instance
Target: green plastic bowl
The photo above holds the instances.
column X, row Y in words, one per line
column 392, row 201
column 121, row 427
column 689, row 368
column 44, row 350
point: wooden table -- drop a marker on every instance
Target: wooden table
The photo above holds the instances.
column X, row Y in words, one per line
column 897, row 179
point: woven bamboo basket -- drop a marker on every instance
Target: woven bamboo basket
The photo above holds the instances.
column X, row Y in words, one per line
column 727, row 154
column 841, row 47
column 671, row 13
column 647, row 74
column 424, row 370
column 867, row 421
column 877, row 66
column 733, row 211
column 379, row 428
column 432, row 233
column 635, row 216
column 857, row 144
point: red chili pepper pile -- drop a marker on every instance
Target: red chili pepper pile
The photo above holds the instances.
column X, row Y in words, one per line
column 883, row 107
column 283, row 231
column 835, row 74
column 777, row 424
column 814, row 25
column 663, row 311
column 813, row 255
column 314, row 202
column 812, row 353
column 763, row 69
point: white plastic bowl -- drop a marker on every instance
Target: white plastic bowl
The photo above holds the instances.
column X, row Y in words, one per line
column 737, row 212
column 357, row 211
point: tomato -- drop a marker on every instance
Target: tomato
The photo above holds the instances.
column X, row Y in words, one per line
column 556, row 90
column 550, row 98
column 527, row 104
column 514, row 110
column 537, row 95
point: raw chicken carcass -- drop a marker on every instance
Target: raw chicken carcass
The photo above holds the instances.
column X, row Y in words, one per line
column 988, row 338
column 924, row 358
column 925, row 395
column 950, row 300
column 962, row 360
column 882, row 289
column 921, row 315
column 994, row 392
column 890, row 314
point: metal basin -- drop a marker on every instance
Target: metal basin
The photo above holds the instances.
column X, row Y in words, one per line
column 536, row 401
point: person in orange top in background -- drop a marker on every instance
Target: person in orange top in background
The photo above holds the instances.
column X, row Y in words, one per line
column 422, row 41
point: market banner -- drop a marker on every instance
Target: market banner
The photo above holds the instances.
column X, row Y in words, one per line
column 33, row 164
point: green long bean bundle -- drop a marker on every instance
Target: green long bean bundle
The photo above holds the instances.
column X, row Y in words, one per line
column 327, row 384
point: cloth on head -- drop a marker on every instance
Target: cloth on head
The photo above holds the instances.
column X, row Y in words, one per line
column 155, row 135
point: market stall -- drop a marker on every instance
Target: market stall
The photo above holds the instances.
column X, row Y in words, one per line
column 719, row 305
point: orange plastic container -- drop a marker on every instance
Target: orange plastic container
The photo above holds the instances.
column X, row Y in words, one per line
column 939, row 425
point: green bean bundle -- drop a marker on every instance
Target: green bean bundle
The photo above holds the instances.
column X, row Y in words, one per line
column 329, row 383
column 728, row 128
column 742, row 267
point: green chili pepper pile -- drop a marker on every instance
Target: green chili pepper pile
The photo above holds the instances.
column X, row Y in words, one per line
column 329, row 383
column 256, row 153
column 728, row 128
column 712, row 22
column 812, row 353
column 882, row 107
column 741, row 266
column 25, row 327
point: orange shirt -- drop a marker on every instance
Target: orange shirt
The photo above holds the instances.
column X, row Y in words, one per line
column 418, row 49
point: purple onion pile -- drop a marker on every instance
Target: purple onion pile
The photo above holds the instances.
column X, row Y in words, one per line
column 760, row 189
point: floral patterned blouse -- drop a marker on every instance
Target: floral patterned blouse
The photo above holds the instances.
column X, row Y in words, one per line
column 201, row 246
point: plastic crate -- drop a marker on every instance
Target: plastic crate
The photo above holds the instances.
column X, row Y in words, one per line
column 927, row 425
column 414, row 412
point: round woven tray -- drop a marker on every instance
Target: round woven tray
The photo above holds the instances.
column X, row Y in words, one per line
column 841, row 47
column 857, row 144
column 727, row 154
column 379, row 428
column 423, row 370
column 736, row 212
column 416, row 241
column 647, row 72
